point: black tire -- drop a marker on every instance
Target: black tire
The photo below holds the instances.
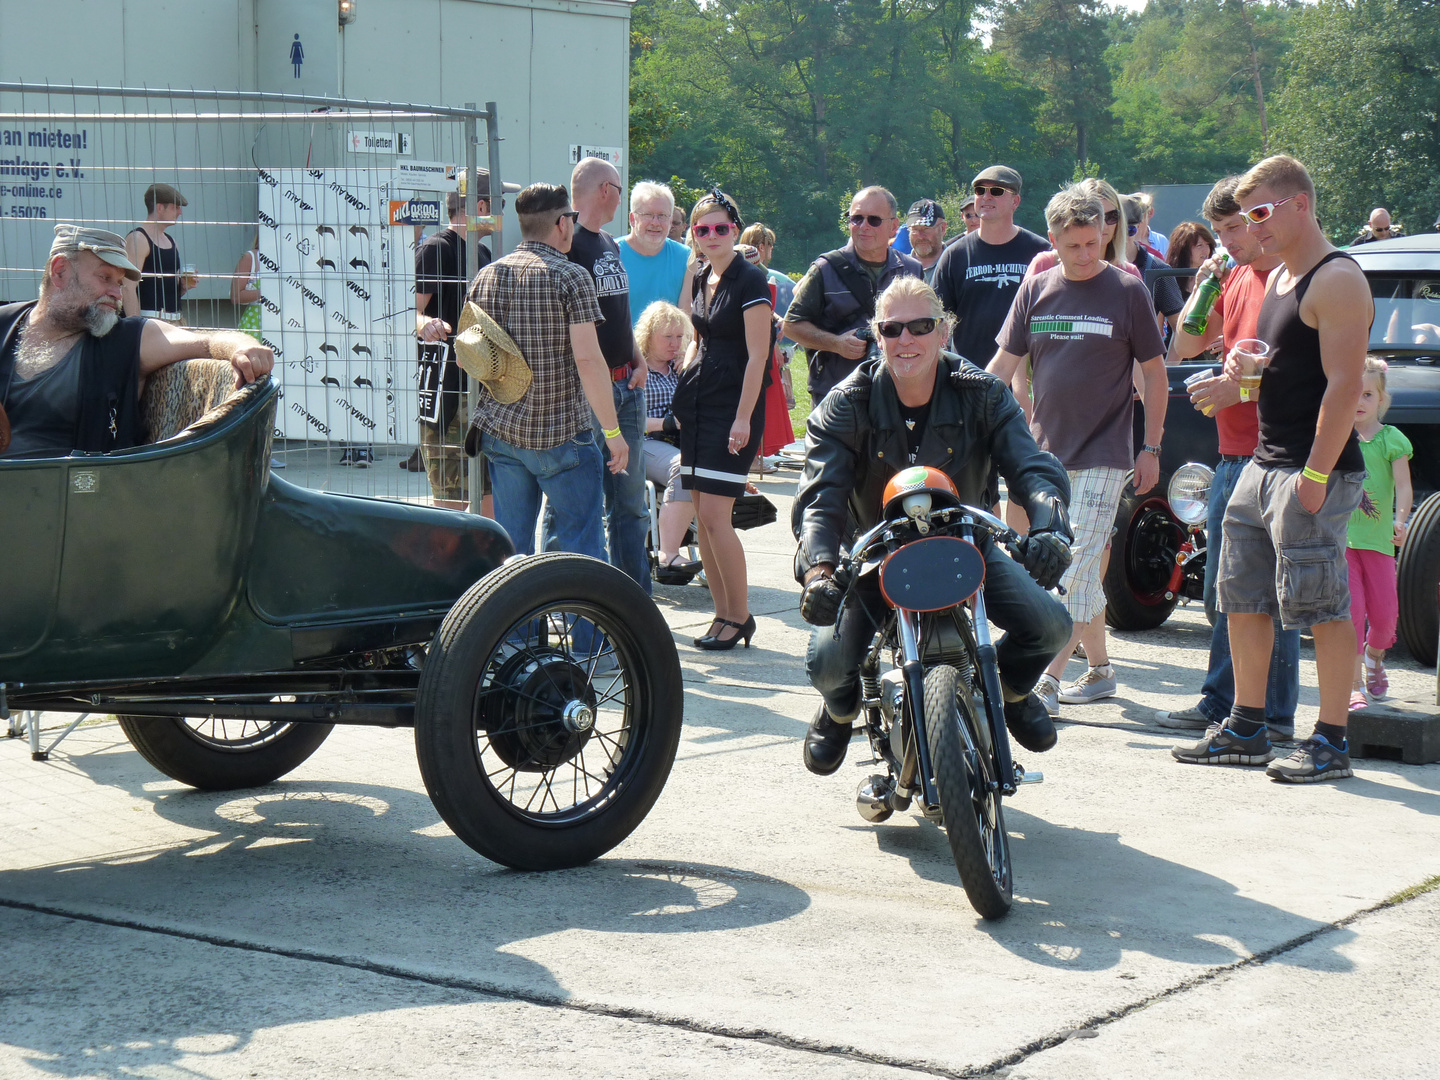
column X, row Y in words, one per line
column 222, row 755
column 1142, row 556
column 974, row 819
column 532, row 757
column 1418, row 578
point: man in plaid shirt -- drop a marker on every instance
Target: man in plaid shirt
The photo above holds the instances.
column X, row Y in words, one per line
column 544, row 442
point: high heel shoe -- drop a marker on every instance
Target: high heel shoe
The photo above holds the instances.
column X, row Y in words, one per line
column 709, row 635
column 744, row 630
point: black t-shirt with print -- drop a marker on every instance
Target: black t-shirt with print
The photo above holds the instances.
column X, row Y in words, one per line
column 599, row 255
column 977, row 282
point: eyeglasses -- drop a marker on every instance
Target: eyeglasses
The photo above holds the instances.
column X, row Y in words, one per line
column 981, row 189
column 970, row 214
column 611, row 183
column 1131, row 230
column 702, row 231
column 1112, row 217
column 918, row 327
column 873, row 220
column 1256, row 214
column 573, row 215
column 652, row 217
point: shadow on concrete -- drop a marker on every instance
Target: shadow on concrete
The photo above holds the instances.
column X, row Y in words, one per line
column 1070, row 913
column 335, row 871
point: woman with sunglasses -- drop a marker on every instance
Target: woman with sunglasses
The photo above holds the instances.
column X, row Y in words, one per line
column 922, row 405
column 720, row 406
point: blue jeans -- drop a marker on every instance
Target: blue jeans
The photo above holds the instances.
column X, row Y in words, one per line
column 626, row 520
column 568, row 475
column 1217, row 696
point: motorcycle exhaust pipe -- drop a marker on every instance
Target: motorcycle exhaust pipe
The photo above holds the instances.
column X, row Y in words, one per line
column 872, row 799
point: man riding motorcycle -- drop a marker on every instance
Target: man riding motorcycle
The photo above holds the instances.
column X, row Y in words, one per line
column 920, row 405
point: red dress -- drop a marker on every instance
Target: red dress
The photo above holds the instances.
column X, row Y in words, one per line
column 778, row 432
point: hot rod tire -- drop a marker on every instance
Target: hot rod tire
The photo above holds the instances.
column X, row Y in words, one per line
column 1142, row 555
column 221, row 755
column 549, row 712
column 1418, row 577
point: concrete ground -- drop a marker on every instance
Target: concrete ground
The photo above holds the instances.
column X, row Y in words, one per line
column 1170, row 920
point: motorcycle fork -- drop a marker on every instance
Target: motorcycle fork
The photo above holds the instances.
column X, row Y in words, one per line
column 907, row 623
column 989, row 673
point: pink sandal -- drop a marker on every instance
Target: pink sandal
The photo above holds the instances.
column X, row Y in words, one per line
column 1358, row 700
column 1376, row 681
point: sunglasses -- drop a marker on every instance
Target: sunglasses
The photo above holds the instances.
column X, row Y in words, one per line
column 573, row 215
column 873, row 220
column 1131, row 230
column 980, row 189
column 1112, row 217
column 1256, row 214
column 918, row 327
column 702, row 231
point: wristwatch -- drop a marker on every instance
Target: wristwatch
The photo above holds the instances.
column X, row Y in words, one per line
column 1151, row 449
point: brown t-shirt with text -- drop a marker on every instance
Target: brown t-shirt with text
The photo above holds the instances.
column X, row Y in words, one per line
column 1082, row 337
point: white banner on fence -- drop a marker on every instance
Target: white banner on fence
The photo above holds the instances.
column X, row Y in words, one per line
column 337, row 289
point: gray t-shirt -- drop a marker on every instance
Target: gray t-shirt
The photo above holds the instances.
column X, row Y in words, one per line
column 1082, row 337
column 45, row 410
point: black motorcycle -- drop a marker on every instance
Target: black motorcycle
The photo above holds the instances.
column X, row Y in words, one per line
column 936, row 719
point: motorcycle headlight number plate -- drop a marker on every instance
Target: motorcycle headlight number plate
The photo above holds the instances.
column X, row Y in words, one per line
column 933, row 574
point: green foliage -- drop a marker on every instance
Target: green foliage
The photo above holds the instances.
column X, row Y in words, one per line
column 1362, row 109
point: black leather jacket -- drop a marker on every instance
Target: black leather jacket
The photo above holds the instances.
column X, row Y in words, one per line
column 854, row 443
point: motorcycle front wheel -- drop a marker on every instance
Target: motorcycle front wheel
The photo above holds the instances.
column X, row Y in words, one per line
column 969, row 799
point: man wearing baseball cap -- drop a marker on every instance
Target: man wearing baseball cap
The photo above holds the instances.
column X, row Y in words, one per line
column 979, row 274
column 926, row 219
column 157, row 294
column 71, row 369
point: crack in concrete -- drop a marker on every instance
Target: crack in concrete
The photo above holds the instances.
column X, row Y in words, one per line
column 999, row 1067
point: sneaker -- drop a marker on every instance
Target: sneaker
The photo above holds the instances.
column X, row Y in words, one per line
column 1096, row 683
column 362, row 457
column 1314, row 759
column 1187, row 719
column 1221, row 746
column 345, row 458
column 1047, row 690
column 1376, row 681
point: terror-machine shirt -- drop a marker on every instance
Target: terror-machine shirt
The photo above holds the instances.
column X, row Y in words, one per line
column 599, row 256
column 977, row 282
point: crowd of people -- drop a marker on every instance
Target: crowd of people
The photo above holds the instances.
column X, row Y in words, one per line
column 662, row 355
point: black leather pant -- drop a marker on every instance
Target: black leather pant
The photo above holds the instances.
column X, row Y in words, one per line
column 1036, row 627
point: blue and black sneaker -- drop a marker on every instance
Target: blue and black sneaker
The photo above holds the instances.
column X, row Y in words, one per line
column 1221, row 746
column 1314, row 759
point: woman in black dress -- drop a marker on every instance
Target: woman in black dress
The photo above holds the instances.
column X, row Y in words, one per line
column 721, row 408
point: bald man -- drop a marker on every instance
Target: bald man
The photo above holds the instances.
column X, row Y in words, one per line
column 1379, row 227
column 596, row 189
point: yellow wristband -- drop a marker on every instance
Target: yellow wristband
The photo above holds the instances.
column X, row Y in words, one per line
column 610, row 433
column 1311, row 474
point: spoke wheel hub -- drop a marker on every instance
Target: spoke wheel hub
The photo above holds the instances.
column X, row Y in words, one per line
column 544, row 713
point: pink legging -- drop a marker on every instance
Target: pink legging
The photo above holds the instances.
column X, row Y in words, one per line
column 1373, row 597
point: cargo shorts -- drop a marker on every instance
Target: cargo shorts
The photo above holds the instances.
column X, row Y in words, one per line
column 1277, row 558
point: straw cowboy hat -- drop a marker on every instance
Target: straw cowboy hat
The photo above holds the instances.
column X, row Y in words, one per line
column 487, row 353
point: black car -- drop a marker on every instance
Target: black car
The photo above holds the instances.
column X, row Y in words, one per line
column 1157, row 556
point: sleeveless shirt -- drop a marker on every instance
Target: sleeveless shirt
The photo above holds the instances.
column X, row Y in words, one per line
column 1294, row 383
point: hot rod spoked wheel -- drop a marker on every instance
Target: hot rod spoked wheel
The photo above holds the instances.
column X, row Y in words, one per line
column 969, row 796
column 215, row 754
column 549, row 712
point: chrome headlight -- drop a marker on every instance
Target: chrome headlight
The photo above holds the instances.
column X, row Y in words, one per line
column 1190, row 493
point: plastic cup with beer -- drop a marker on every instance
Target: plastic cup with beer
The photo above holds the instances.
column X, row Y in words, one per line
column 189, row 276
column 1252, row 355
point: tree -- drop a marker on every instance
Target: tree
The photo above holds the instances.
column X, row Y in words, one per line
column 1361, row 109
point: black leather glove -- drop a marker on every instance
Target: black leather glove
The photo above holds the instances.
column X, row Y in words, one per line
column 1046, row 556
column 820, row 602
column 1045, row 553
column 669, row 425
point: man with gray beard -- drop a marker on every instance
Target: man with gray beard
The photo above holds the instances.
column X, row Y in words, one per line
column 71, row 370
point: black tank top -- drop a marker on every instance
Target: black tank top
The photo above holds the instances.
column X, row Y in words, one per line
column 159, row 286
column 1294, row 383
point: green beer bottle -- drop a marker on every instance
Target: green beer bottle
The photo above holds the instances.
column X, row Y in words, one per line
column 1206, row 295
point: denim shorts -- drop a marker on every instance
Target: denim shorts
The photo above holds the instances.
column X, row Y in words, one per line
column 1277, row 558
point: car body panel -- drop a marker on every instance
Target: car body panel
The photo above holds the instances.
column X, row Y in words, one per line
column 188, row 557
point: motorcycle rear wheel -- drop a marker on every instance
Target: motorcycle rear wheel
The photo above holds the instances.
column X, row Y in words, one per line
column 974, row 819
